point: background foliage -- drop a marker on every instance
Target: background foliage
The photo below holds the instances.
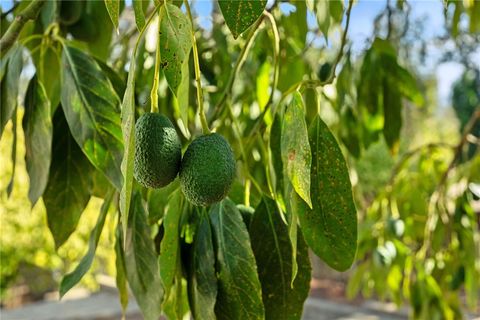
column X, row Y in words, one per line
column 296, row 103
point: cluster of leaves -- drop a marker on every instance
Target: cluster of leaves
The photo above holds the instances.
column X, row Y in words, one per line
column 227, row 261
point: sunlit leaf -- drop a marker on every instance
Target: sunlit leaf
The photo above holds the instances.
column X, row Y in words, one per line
column 37, row 126
column 91, row 108
column 120, row 277
column 175, row 43
column 240, row 15
column 9, row 85
column 296, row 153
column 170, row 245
column 141, row 262
column 71, row 279
column 69, row 182
column 273, row 254
column 263, row 85
column 330, row 227
column 113, row 8
column 139, row 13
column 239, row 290
column 128, row 133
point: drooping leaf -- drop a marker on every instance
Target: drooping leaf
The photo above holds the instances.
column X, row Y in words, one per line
column 113, row 8
column 121, row 277
column 37, row 126
column 141, row 262
column 182, row 100
column 91, row 108
column 263, row 85
column 14, row 152
column 239, row 290
column 392, row 113
column 71, row 279
column 69, row 182
column 158, row 199
column 273, row 254
column 202, row 281
column 176, row 304
column 276, row 149
column 98, row 16
column 327, row 13
column 128, row 134
column 48, row 70
column 170, row 245
column 9, row 85
column 292, row 221
column 240, row 15
column 296, row 153
column 118, row 83
column 330, row 227
column 139, row 13
column 175, row 43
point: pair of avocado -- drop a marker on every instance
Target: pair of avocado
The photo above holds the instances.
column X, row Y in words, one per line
column 206, row 171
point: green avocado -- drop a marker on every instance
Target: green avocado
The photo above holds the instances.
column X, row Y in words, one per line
column 158, row 151
column 207, row 170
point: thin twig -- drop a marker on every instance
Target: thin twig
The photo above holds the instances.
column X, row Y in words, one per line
column 201, row 110
column 13, row 31
column 458, row 150
column 259, row 124
column 241, row 59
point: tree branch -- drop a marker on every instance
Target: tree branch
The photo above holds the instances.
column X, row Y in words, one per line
column 29, row 13
column 241, row 59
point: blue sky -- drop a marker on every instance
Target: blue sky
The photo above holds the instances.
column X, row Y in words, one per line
column 363, row 14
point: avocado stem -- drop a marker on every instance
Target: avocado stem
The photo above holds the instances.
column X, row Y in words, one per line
column 201, row 110
column 154, row 92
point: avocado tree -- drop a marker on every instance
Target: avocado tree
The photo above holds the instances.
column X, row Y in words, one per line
column 210, row 144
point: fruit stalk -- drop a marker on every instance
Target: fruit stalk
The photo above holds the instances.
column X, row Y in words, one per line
column 154, row 92
column 201, row 110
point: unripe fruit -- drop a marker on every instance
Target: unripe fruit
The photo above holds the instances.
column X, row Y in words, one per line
column 158, row 151
column 207, row 170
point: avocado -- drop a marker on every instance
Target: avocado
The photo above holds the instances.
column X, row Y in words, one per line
column 207, row 170
column 158, row 151
column 324, row 71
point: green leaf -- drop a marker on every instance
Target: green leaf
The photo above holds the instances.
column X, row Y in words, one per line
column 158, row 199
column 91, row 108
column 176, row 305
column 175, row 44
column 170, row 245
column 263, row 85
column 240, row 15
column 141, row 262
column 71, row 279
column 14, row 153
column 327, row 13
column 276, row 148
column 182, row 100
column 330, row 228
column 118, row 83
column 139, row 13
column 37, row 126
column 273, row 253
column 128, row 133
column 121, row 277
column 239, row 290
column 113, row 8
column 296, row 153
column 202, row 280
column 69, row 182
column 48, row 69
column 392, row 110
column 9, row 86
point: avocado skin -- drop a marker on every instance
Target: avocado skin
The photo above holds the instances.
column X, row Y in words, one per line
column 207, row 170
column 158, row 151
